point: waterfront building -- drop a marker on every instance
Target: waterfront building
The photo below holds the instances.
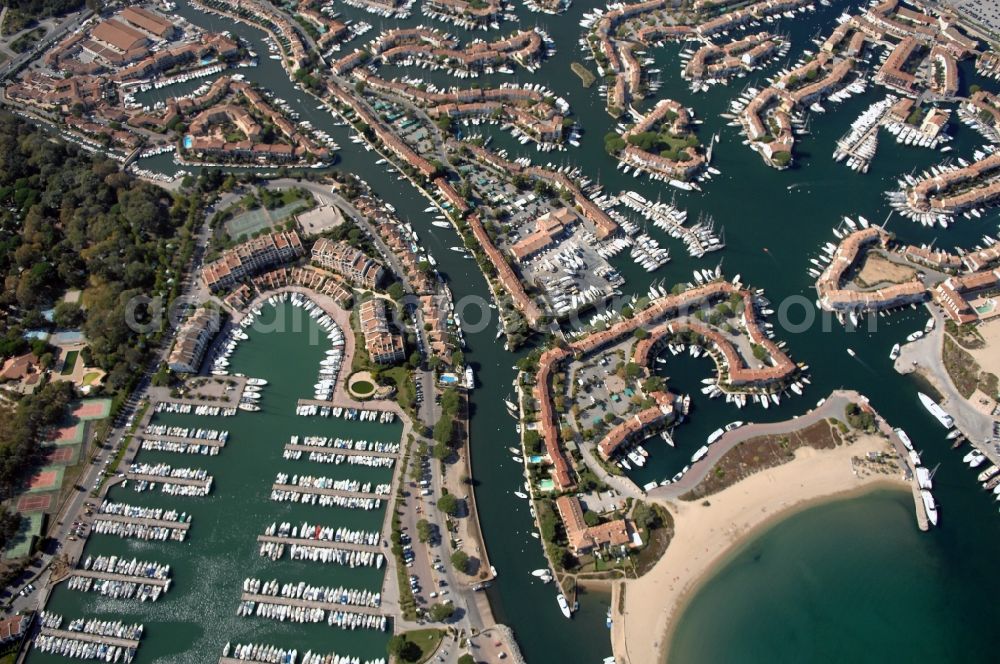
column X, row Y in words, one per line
column 194, row 336
column 343, row 259
column 252, row 257
column 969, row 298
column 383, row 345
column 638, row 426
column 583, row 538
column 547, row 228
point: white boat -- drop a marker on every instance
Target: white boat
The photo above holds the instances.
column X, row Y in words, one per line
column 540, row 572
column 937, row 411
column 700, row 454
column 851, row 352
column 564, row 606
column 510, row 405
column 250, row 407
column 903, row 437
column 924, row 478
column 929, row 506
column 714, row 436
column 521, row 494
column 894, row 353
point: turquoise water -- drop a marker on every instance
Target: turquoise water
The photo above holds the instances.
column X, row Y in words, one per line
column 850, row 581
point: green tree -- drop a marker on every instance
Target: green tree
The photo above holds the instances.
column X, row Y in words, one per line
column 441, row 612
column 460, row 561
column 402, row 648
column 396, row 291
column 448, row 504
column 424, row 530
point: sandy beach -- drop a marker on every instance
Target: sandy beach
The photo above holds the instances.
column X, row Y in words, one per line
column 705, row 535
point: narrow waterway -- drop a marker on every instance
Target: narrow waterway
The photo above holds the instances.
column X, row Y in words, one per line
column 774, row 222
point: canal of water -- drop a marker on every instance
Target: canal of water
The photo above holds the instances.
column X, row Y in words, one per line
column 774, row 222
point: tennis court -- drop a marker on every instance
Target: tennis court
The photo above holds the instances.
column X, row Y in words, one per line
column 35, row 502
column 92, row 409
column 68, row 435
column 48, row 478
column 261, row 218
column 66, row 455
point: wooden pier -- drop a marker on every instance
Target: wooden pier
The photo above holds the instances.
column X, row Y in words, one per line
column 310, row 604
column 322, row 544
column 181, row 481
column 124, row 578
column 328, row 492
column 298, row 447
column 91, row 638
column 139, row 521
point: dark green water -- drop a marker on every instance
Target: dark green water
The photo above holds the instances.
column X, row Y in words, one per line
column 193, row 621
column 774, row 223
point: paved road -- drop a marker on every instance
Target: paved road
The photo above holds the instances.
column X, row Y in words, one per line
column 71, row 22
column 104, row 453
column 924, row 355
column 832, row 407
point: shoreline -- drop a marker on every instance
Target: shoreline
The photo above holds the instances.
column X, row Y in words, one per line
column 705, row 539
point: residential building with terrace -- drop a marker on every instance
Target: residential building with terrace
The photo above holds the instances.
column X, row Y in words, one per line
column 351, row 263
column 250, row 258
column 383, row 345
column 194, row 337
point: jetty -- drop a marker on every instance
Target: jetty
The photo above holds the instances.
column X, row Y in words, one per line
column 166, row 479
column 90, row 638
column 141, row 521
column 124, row 578
column 323, row 544
column 181, row 439
column 298, row 447
column 309, row 604
column 329, row 492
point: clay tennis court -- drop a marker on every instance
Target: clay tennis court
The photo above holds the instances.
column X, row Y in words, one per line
column 67, row 435
column 63, row 455
column 35, row 503
column 44, row 480
column 90, row 410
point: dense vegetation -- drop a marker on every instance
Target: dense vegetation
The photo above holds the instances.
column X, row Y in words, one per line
column 69, row 220
column 21, row 428
column 24, row 13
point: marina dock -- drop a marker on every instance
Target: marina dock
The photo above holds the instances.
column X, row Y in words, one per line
column 328, row 492
column 139, row 521
column 124, row 578
column 181, row 439
column 323, row 544
column 293, row 447
column 90, row 638
column 918, row 504
column 340, row 402
column 309, row 604
column 160, row 479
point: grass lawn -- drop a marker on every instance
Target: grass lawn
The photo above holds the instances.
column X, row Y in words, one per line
column 70, row 363
column 587, row 77
column 90, row 377
column 427, row 640
column 404, row 385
